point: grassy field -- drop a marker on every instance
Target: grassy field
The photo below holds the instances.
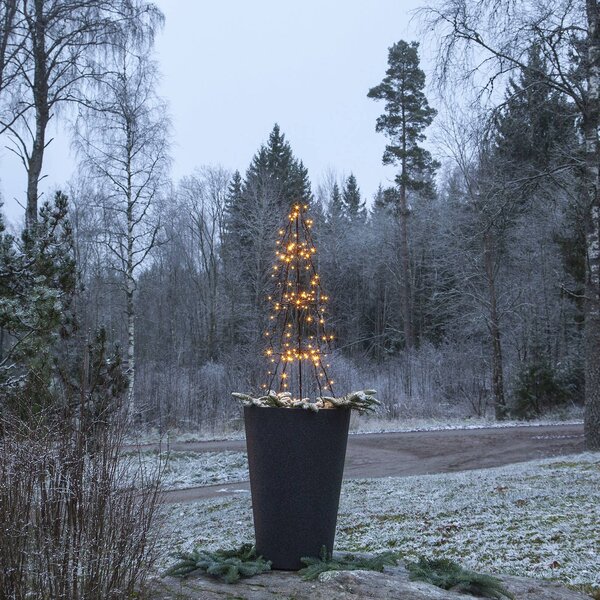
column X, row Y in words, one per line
column 537, row 519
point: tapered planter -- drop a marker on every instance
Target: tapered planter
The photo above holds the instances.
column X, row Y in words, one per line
column 296, row 460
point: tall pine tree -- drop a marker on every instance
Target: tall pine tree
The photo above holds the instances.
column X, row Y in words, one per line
column 407, row 114
column 37, row 290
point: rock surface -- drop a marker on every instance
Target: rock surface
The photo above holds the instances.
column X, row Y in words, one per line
column 392, row 584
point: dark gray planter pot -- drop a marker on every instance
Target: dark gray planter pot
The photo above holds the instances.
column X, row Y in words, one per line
column 296, row 460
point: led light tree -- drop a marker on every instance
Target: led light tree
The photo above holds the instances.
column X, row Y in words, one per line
column 295, row 498
column 298, row 339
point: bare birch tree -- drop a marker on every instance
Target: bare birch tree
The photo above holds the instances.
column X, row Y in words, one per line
column 123, row 140
column 52, row 50
column 10, row 43
column 203, row 195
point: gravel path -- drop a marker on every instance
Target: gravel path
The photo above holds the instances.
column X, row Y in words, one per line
column 415, row 453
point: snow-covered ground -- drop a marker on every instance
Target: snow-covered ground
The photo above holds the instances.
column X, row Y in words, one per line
column 184, row 469
column 359, row 424
column 537, row 519
column 190, row 469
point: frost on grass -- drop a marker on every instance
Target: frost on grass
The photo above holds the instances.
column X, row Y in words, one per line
column 190, row 469
column 208, row 524
column 537, row 519
column 376, row 423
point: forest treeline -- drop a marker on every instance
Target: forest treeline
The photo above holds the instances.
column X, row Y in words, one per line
column 495, row 282
column 460, row 289
column 495, row 268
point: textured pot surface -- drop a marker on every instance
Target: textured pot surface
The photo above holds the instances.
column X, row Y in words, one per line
column 296, row 461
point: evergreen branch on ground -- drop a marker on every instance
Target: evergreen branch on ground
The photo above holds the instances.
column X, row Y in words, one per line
column 348, row 562
column 227, row 565
column 448, row 575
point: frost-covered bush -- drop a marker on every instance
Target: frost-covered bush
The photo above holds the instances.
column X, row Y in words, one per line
column 446, row 381
column 429, row 382
column 188, row 398
column 76, row 518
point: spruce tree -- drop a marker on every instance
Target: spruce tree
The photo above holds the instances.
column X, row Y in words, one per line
column 353, row 204
column 274, row 182
column 533, row 141
column 535, row 123
column 336, row 206
column 258, row 180
column 275, row 172
column 407, row 114
column 280, row 164
column 384, row 199
column 236, row 240
column 300, row 183
column 233, row 209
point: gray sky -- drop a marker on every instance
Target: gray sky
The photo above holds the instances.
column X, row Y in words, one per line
column 232, row 68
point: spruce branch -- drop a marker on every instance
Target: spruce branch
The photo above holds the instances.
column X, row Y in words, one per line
column 348, row 562
column 361, row 401
column 448, row 575
column 226, row 565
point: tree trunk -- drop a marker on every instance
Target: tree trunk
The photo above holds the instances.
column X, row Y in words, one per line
column 592, row 304
column 42, row 115
column 130, row 344
column 494, row 327
column 7, row 25
column 130, row 281
column 592, row 379
column 405, row 265
column 212, row 316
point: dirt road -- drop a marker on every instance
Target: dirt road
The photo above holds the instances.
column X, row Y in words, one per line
column 418, row 453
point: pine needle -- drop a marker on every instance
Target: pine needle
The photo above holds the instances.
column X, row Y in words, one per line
column 448, row 575
column 226, row 565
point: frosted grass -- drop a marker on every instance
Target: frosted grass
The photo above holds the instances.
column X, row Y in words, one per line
column 537, row 519
column 180, row 470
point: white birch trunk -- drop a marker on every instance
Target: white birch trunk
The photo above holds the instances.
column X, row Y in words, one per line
column 130, row 344
column 129, row 280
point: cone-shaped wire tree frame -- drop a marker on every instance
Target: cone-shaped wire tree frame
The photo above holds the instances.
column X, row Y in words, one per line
column 298, row 339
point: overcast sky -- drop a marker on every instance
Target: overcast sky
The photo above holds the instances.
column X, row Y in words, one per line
column 231, row 69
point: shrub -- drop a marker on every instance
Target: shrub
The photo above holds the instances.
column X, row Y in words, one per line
column 76, row 519
column 538, row 390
